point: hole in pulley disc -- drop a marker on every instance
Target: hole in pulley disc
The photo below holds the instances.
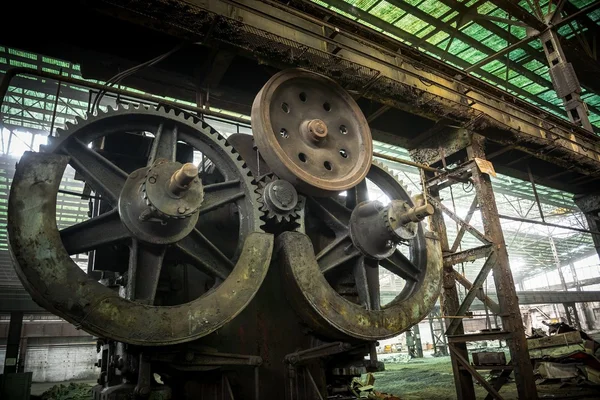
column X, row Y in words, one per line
column 284, row 133
column 285, row 107
column 328, row 165
column 327, row 106
column 343, row 153
column 343, row 129
column 302, row 96
column 302, row 157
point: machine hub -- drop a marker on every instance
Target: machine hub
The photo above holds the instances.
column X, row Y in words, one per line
column 376, row 229
column 159, row 204
column 315, row 129
column 280, row 196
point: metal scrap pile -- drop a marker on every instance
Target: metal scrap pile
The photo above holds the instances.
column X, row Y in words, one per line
column 567, row 355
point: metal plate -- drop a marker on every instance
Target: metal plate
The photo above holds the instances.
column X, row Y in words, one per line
column 311, row 132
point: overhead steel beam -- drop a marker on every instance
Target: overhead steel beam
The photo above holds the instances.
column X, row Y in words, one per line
column 371, row 19
column 483, row 17
column 552, row 297
column 582, row 12
column 513, row 8
column 263, row 25
column 500, row 53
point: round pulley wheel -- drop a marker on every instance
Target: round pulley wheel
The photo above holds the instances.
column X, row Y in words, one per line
column 311, row 132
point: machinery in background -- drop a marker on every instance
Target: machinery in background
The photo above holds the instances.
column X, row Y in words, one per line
column 238, row 268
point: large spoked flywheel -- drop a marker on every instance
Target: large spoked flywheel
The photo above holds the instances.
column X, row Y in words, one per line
column 353, row 237
column 187, row 198
column 311, row 132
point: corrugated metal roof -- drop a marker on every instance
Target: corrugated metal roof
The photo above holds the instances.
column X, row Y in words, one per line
column 463, row 33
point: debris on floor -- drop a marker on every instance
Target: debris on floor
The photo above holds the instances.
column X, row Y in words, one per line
column 366, row 389
column 72, row 391
column 565, row 355
column 398, row 359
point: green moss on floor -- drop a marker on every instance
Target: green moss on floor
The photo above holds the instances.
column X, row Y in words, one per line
column 417, row 376
column 431, row 378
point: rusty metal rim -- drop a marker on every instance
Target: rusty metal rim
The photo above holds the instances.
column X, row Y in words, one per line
column 331, row 315
column 276, row 157
column 57, row 283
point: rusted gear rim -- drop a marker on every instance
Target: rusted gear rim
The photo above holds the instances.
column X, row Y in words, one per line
column 286, row 166
column 333, row 316
column 59, row 285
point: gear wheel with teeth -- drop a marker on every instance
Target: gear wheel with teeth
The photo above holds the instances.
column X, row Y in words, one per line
column 344, row 282
column 278, row 199
column 220, row 236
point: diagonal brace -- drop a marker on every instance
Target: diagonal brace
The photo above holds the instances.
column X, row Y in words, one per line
column 461, row 232
column 492, row 305
column 477, row 283
column 469, row 228
column 475, row 374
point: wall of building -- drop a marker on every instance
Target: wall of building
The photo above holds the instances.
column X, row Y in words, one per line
column 59, row 359
column 53, row 361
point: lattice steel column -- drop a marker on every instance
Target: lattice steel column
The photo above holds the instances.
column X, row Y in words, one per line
column 436, row 325
column 463, row 380
column 503, row 279
column 589, row 316
column 589, row 204
column 565, row 80
column 572, row 315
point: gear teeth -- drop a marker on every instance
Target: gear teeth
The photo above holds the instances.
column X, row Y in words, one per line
column 395, row 176
column 268, row 214
column 256, row 215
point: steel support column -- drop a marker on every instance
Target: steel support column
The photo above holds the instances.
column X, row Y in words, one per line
column 436, row 325
column 589, row 204
column 571, row 318
column 13, row 341
column 572, row 315
column 503, row 279
column 463, row 380
column 589, row 316
column 413, row 342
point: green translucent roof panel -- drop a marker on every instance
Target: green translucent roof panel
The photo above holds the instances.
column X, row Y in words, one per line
column 463, row 33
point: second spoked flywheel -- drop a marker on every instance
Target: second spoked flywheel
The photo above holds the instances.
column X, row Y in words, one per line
column 311, row 132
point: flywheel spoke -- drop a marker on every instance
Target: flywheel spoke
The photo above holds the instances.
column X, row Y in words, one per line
column 357, row 195
column 218, row 194
column 164, row 145
column 145, row 264
column 205, row 255
column 400, row 265
column 362, row 283
column 89, row 235
column 336, row 253
column 101, row 174
column 372, row 272
column 366, row 278
column 332, row 213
